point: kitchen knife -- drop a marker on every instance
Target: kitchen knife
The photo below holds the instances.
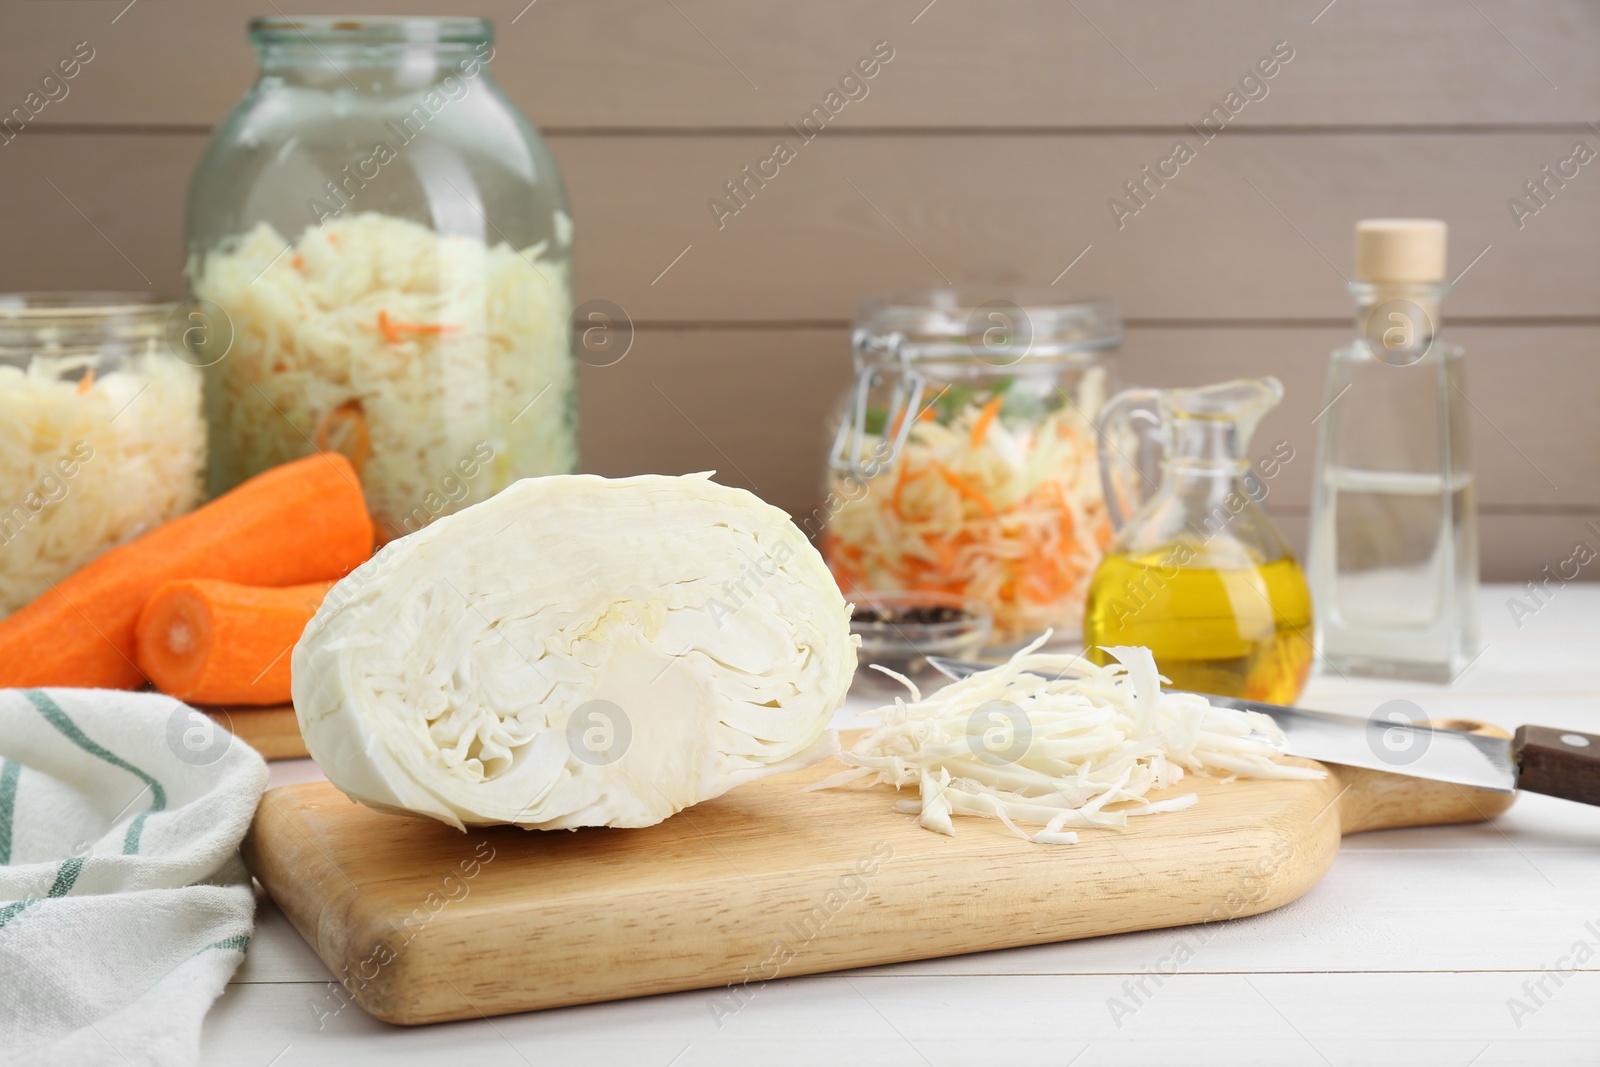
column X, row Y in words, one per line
column 1539, row 759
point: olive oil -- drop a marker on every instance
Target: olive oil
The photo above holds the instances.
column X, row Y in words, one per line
column 1217, row 621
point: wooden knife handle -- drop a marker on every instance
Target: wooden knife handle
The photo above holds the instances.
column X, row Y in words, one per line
column 1558, row 763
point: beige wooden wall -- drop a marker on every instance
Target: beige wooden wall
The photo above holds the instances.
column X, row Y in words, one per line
column 985, row 151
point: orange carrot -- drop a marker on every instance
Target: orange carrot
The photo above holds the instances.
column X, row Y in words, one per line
column 86, row 382
column 980, row 427
column 1102, row 534
column 386, row 328
column 953, row 480
column 211, row 642
column 898, row 499
column 344, row 430
column 305, row 521
column 392, row 330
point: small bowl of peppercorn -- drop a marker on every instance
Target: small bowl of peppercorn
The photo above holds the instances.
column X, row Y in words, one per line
column 900, row 630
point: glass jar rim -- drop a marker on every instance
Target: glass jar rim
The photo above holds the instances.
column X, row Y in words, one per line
column 88, row 305
column 79, row 322
column 986, row 321
column 369, row 30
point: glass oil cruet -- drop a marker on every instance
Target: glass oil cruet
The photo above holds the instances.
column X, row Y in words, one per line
column 1196, row 572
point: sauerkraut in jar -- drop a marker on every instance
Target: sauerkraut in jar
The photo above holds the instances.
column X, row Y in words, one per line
column 965, row 460
column 102, row 437
column 388, row 240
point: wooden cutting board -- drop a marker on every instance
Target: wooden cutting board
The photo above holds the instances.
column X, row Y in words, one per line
column 423, row 923
column 273, row 732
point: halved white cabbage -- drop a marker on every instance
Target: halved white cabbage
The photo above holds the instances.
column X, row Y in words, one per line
column 577, row 651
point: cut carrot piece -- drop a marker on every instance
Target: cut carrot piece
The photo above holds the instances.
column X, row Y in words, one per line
column 986, row 417
column 86, row 382
column 304, row 521
column 211, row 642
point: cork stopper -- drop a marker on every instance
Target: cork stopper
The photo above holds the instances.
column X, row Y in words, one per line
column 1404, row 251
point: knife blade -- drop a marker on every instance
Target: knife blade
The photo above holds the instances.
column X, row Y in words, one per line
column 1540, row 759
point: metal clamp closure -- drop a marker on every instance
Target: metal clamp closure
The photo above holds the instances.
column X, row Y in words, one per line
column 850, row 443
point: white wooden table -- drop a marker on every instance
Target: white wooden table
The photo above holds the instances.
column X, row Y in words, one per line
column 1425, row 946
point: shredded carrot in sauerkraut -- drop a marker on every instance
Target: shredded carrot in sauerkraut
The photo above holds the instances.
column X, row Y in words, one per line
column 438, row 343
column 86, row 465
column 1007, row 511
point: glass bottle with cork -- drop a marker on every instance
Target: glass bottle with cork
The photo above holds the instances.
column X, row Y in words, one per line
column 1394, row 547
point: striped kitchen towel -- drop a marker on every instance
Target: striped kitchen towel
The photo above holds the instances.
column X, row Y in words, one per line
column 124, row 908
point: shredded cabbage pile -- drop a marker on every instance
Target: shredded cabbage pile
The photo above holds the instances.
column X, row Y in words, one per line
column 422, row 346
column 1057, row 741
column 1009, row 513
column 90, row 463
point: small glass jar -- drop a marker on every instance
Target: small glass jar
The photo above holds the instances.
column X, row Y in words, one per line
column 387, row 238
column 900, row 630
column 964, row 458
column 102, row 435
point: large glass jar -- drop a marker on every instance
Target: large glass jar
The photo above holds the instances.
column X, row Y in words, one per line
column 102, row 436
column 964, row 457
column 387, row 239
